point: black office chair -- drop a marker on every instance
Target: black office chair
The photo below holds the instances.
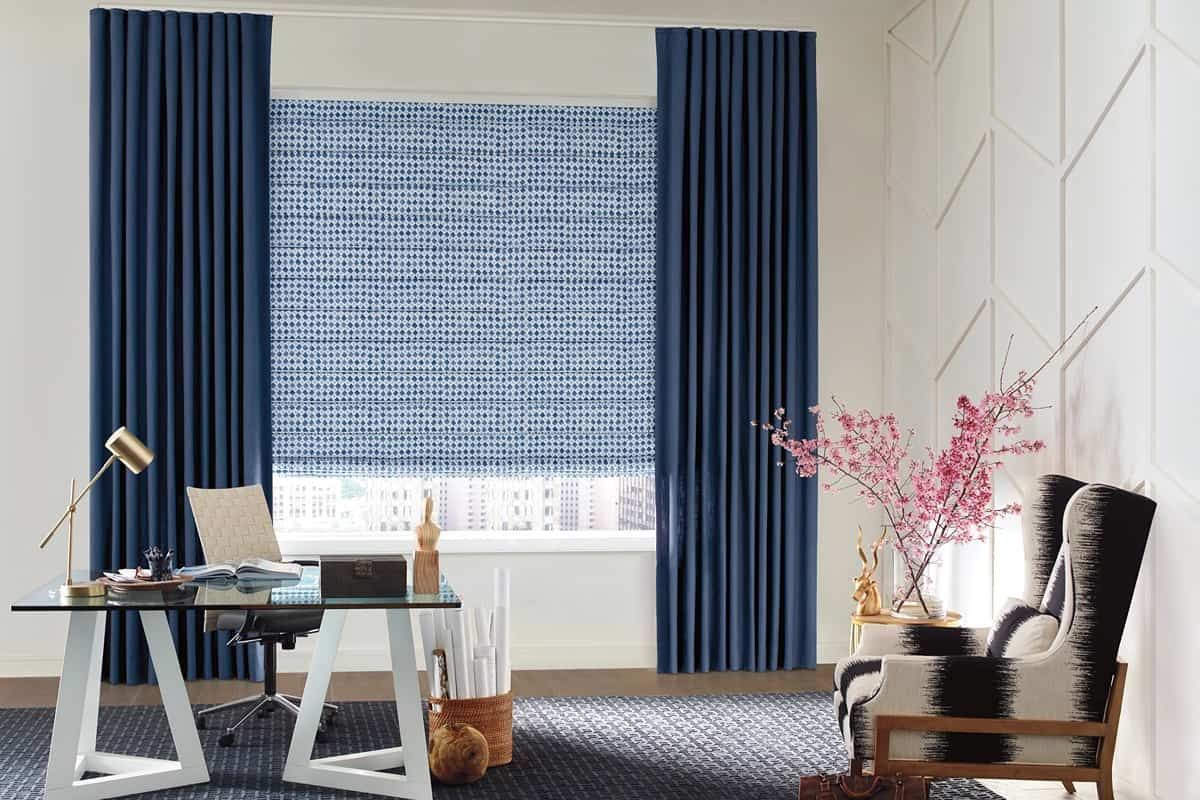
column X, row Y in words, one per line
column 235, row 524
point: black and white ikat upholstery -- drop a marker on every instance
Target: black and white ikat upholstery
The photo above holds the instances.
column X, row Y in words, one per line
column 1101, row 532
column 1021, row 630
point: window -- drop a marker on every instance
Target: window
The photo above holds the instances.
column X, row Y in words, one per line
column 462, row 304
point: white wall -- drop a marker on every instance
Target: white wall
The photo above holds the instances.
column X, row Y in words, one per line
column 603, row 611
column 1042, row 160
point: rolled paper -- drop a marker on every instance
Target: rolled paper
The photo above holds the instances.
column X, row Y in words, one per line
column 483, row 627
column 463, row 674
column 481, row 676
column 451, row 686
column 488, row 654
column 438, row 679
column 502, row 587
column 503, row 656
column 469, row 630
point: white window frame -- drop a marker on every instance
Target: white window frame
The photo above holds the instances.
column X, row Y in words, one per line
column 333, row 543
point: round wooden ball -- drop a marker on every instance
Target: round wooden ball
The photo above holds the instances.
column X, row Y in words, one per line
column 457, row 754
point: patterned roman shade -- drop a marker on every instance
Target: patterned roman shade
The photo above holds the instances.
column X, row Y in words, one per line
column 462, row 289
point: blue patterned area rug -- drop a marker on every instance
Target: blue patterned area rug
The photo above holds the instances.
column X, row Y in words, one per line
column 724, row 747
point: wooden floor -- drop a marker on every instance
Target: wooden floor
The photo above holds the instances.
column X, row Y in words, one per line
column 350, row 686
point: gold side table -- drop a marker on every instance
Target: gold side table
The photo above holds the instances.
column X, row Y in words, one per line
column 953, row 619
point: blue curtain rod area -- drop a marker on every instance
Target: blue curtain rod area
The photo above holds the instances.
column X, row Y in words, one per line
column 367, row 12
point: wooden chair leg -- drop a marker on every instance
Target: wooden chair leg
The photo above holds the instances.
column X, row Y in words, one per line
column 1069, row 786
column 856, row 766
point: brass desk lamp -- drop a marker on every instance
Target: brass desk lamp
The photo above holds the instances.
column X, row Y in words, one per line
column 136, row 456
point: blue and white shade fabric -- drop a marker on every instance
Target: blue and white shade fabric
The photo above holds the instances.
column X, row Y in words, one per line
column 462, row 289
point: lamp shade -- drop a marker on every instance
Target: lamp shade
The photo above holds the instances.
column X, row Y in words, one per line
column 129, row 450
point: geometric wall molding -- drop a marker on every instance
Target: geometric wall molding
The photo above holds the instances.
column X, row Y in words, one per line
column 1065, row 155
column 1027, row 351
column 1027, row 227
column 911, row 384
column 1176, row 138
column 967, row 371
column 946, row 14
column 964, row 251
column 1106, row 399
column 1100, row 36
column 1177, row 336
column 1026, row 71
column 1179, row 21
column 1107, row 202
column 915, row 30
column 912, row 247
column 1175, row 768
column 912, row 135
column 962, row 109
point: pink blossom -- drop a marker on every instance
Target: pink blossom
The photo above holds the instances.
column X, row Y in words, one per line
column 930, row 499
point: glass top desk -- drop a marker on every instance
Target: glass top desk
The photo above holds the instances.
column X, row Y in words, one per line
column 73, row 741
column 228, row 595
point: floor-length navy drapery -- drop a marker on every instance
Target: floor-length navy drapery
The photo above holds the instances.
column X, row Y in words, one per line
column 736, row 337
column 179, row 292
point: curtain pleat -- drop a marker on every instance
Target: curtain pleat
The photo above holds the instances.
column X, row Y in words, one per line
column 179, row 303
column 736, row 337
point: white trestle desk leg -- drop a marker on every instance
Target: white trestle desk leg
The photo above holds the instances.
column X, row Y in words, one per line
column 409, row 712
column 73, row 741
column 360, row 772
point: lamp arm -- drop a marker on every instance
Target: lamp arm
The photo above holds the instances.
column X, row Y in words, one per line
column 75, row 500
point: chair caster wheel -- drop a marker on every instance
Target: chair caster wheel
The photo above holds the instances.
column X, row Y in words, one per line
column 322, row 734
column 330, row 719
column 226, row 740
column 261, row 714
column 201, row 723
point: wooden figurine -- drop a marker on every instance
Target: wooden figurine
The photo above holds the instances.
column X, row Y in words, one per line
column 866, row 587
column 427, row 573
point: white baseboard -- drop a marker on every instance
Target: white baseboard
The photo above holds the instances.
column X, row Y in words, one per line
column 557, row 655
column 27, row 666
column 547, row 655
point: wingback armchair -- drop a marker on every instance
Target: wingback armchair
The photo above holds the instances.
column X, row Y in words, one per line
column 930, row 701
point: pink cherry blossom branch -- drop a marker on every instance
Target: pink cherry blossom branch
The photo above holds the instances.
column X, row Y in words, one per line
column 945, row 496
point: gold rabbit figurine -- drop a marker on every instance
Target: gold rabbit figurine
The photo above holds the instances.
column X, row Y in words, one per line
column 866, row 587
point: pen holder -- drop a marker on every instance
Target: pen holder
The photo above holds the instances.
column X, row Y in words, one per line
column 491, row 716
column 160, row 565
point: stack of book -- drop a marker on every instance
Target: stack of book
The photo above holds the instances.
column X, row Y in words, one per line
column 250, row 569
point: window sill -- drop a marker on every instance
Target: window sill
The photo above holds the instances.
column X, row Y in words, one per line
column 316, row 544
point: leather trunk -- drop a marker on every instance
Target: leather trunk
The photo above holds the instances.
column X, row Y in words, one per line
column 862, row 787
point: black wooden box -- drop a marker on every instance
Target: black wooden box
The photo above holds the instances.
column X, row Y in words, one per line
column 363, row 576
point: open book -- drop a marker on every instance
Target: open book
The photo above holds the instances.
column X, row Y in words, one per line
column 249, row 569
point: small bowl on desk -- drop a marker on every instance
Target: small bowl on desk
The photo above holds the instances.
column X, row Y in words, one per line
column 143, row 582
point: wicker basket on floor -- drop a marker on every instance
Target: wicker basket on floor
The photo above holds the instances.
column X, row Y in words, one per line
column 491, row 716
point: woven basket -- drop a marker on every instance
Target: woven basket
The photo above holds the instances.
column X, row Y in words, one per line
column 491, row 716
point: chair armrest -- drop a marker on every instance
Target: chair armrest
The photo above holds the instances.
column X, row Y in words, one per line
column 906, row 682
column 921, row 640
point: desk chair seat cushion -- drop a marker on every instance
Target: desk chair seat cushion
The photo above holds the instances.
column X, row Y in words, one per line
column 268, row 623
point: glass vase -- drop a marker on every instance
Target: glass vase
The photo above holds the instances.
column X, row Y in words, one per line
column 924, row 601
